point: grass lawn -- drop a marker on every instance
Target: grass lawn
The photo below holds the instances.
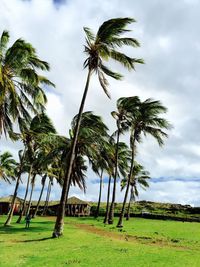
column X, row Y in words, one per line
column 87, row 243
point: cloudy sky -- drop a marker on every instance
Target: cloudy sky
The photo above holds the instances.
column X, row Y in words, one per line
column 169, row 34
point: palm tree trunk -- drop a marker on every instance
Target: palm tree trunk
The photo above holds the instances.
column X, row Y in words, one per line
column 121, row 216
column 30, row 199
column 47, row 204
column 26, row 193
column 41, row 193
column 111, row 213
column 129, row 205
column 107, row 205
column 58, row 229
column 46, row 200
column 10, row 214
column 100, row 191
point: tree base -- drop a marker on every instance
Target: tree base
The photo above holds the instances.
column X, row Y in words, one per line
column 56, row 235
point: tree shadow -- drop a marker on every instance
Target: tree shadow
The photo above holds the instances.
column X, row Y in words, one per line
column 34, row 240
column 19, row 228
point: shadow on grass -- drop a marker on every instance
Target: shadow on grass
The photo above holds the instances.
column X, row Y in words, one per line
column 34, row 240
column 19, row 228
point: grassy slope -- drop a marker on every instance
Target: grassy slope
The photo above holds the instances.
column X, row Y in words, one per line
column 149, row 243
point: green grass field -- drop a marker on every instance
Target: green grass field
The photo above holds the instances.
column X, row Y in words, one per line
column 87, row 243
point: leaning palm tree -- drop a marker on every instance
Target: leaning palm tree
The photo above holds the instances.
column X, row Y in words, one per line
column 7, row 167
column 123, row 125
column 40, row 126
column 98, row 48
column 91, row 136
column 146, row 121
column 140, row 177
column 20, row 85
column 43, row 181
column 99, row 165
column 19, row 171
column 123, row 165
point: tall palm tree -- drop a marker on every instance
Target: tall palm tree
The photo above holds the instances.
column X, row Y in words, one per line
column 140, row 177
column 146, row 121
column 43, row 181
column 123, row 160
column 40, row 125
column 7, row 167
column 123, row 124
column 20, row 85
column 19, row 171
column 31, row 134
column 91, row 136
column 98, row 48
column 29, row 171
column 99, row 165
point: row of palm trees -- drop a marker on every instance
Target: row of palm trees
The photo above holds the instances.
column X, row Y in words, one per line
column 50, row 155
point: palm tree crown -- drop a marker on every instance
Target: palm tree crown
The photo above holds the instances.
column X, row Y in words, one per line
column 7, row 167
column 103, row 46
column 20, row 84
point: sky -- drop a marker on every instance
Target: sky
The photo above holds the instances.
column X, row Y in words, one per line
column 169, row 35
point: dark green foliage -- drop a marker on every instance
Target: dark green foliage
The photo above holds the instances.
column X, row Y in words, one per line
column 20, row 84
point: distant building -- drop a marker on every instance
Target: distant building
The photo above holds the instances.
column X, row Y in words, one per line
column 74, row 207
column 5, row 204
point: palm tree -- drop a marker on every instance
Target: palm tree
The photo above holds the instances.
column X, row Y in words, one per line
column 29, row 170
column 31, row 134
column 31, row 194
column 43, row 181
column 140, row 177
column 91, row 136
column 99, row 165
column 40, row 125
column 146, row 121
column 123, row 124
column 98, row 48
column 7, row 167
column 123, row 166
column 20, row 84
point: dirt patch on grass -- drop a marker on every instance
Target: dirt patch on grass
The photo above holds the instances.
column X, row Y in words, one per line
column 126, row 237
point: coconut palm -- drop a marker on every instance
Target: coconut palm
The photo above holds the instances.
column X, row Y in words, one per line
column 40, row 126
column 28, row 169
column 99, row 165
column 140, row 177
column 98, row 48
column 123, row 166
column 20, row 84
column 7, row 167
column 30, row 134
column 19, row 171
column 43, row 181
column 146, row 121
column 123, row 125
column 91, row 136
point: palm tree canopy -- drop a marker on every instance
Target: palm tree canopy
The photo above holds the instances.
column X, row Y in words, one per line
column 104, row 46
column 92, row 134
column 139, row 177
column 20, row 84
column 126, row 106
column 145, row 118
column 7, row 166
